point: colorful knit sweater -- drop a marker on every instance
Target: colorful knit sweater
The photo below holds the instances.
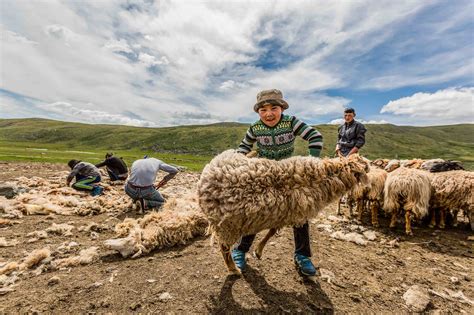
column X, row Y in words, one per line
column 278, row 142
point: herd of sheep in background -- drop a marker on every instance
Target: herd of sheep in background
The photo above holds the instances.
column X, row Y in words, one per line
column 416, row 189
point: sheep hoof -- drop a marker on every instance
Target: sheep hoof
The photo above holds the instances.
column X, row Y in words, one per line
column 409, row 233
column 431, row 226
column 442, row 226
column 375, row 225
column 257, row 255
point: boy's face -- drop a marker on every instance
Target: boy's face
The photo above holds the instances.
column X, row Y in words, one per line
column 270, row 114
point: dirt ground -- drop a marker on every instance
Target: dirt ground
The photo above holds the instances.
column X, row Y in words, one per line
column 193, row 279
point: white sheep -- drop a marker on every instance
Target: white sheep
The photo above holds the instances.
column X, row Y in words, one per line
column 408, row 189
column 452, row 190
column 243, row 196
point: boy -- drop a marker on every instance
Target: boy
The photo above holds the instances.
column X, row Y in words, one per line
column 86, row 175
column 140, row 186
column 275, row 136
column 116, row 167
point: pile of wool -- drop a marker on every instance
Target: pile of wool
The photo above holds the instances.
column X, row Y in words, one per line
column 179, row 220
column 86, row 256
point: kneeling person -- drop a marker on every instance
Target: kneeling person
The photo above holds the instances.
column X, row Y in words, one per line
column 116, row 167
column 86, row 176
column 140, row 186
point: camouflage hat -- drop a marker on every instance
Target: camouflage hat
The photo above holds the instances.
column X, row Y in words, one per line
column 272, row 96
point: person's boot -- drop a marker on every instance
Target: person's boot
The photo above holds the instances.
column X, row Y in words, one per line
column 96, row 191
column 139, row 206
column 238, row 257
column 305, row 265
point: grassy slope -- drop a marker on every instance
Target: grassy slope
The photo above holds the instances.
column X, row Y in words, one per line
column 193, row 146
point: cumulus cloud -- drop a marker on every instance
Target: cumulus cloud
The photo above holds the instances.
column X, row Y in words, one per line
column 70, row 113
column 340, row 121
column 162, row 58
column 451, row 106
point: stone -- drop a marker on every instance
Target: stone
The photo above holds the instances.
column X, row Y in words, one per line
column 416, row 298
column 8, row 190
column 165, row 296
column 53, row 280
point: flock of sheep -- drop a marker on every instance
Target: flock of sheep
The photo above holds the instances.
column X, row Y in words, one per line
column 241, row 195
column 238, row 195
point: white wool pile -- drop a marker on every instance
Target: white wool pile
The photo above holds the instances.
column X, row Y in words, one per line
column 34, row 258
column 8, row 268
column 5, row 243
column 38, row 234
column 349, row 237
column 179, row 221
column 86, row 256
column 60, row 229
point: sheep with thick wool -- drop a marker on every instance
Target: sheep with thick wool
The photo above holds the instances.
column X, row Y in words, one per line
column 408, row 189
column 452, row 190
column 242, row 196
column 372, row 192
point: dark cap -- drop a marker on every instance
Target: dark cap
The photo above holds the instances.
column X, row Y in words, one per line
column 349, row 110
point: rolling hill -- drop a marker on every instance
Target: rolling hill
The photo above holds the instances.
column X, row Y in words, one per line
column 56, row 141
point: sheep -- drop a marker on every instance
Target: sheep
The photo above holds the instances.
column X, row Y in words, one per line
column 394, row 164
column 242, row 196
column 380, row 163
column 372, row 192
column 179, row 220
column 452, row 190
column 409, row 189
column 427, row 165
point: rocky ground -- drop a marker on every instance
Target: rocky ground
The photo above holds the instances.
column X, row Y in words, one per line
column 362, row 269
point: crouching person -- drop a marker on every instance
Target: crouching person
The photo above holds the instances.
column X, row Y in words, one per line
column 87, row 177
column 116, row 167
column 140, row 186
column 275, row 135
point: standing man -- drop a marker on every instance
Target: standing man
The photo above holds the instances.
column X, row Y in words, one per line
column 351, row 135
column 275, row 135
column 140, row 186
column 116, row 167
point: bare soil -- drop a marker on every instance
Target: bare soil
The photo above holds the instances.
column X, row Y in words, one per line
column 193, row 279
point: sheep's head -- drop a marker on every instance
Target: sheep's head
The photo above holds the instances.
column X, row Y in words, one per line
column 359, row 166
column 392, row 165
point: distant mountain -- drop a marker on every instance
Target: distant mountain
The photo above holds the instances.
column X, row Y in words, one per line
column 387, row 141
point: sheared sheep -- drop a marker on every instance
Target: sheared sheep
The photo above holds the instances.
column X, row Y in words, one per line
column 407, row 189
column 179, row 220
column 452, row 190
column 242, row 196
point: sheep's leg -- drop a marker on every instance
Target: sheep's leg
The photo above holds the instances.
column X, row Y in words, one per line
column 433, row 218
column 351, row 205
column 374, row 212
column 339, row 207
column 442, row 218
column 408, row 222
column 360, row 209
column 393, row 221
column 258, row 252
column 455, row 217
column 225, row 250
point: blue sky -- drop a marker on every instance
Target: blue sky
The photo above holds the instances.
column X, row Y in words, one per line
column 162, row 63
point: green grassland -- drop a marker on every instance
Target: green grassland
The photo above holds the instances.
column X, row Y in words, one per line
column 193, row 146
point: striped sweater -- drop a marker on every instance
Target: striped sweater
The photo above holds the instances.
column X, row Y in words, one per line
column 278, row 142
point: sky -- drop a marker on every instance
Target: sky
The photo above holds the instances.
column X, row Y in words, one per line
column 165, row 63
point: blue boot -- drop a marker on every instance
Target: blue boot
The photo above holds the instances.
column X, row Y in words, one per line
column 305, row 265
column 239, row 258
column 96, row 191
